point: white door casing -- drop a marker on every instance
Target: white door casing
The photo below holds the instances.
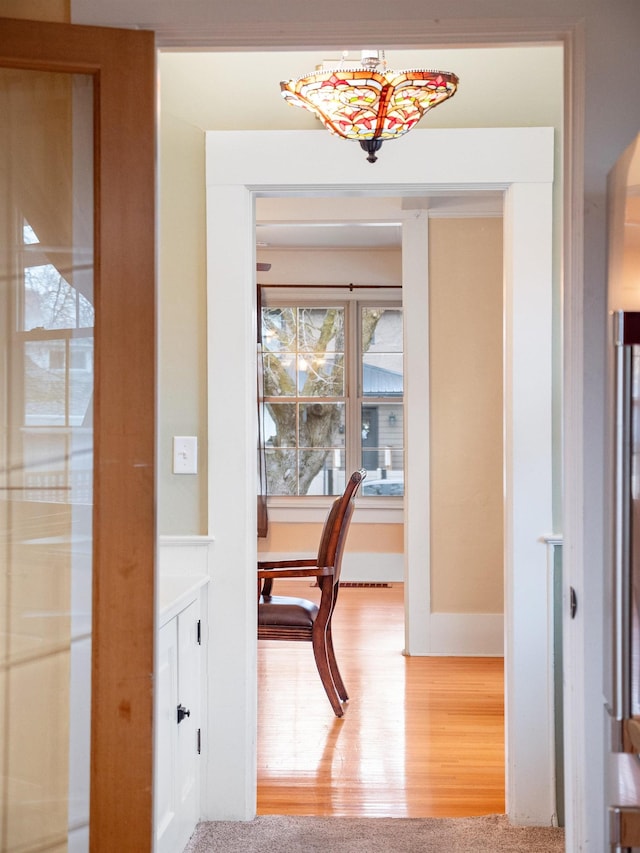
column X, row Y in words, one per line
column 242, row 165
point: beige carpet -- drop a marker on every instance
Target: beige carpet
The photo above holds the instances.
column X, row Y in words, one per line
column 276, row 834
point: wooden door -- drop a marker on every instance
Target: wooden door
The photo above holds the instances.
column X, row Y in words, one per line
column 108, row 273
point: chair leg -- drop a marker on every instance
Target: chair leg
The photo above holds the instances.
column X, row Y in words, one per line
column 322, row 662
column 333, row 666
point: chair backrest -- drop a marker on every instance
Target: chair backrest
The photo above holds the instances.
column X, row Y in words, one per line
column 336, row 526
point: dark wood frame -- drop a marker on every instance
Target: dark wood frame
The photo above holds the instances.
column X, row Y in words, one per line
column 122, row 63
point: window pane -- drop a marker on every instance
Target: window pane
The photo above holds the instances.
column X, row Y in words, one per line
column 80, row 381
column 280, row 427
column 50, row 302
column 322, row 425
column 382, row 448
column 385, row 486
column 381, row 329
column 279, row 375
column 304, row 359
column 282, row 470
column 302, row 444
column 319, row 376
column 382, row 375
column 329, row 479
column 321, row 330
column 381, row 336
column 44, row 383
column 279, row 329
column 305, row 472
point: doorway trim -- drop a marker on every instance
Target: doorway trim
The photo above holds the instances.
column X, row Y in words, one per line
column 243, row 165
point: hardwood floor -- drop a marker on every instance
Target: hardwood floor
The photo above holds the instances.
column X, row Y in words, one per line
column 421, row 737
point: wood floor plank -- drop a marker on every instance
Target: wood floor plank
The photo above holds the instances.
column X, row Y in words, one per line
column 421, row 737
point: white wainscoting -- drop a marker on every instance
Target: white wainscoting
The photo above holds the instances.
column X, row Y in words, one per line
column 184, row 555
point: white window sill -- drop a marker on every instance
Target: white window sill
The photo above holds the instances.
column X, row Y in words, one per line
column 376, row 510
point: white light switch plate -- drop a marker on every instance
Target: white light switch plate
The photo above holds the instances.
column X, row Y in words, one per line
column 185, row 454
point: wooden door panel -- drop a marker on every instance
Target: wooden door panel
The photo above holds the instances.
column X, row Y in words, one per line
column 121, row 64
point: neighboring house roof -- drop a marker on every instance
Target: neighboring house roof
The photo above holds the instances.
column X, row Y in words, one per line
column 379, row 382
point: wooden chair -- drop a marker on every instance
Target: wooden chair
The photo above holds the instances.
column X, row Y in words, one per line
column 288, row 618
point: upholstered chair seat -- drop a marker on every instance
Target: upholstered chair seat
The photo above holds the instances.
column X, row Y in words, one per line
column 283, row 610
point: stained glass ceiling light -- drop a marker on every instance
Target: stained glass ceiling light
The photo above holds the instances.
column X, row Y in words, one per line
column 370, row 103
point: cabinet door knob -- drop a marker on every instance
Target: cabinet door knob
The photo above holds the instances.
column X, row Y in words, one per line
column 182, row 713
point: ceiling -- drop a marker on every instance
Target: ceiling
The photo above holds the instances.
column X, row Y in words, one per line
column 306, row 235
column 359, row 223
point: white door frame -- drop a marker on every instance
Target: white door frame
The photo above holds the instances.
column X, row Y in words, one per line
column 242, row 165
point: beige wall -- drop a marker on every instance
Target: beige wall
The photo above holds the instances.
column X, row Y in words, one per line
column 465, row 327
column 182, row 319
column 363, row 538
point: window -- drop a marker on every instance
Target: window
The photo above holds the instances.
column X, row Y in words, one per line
column 333, row 397
column 54, row 371
column 381, row 403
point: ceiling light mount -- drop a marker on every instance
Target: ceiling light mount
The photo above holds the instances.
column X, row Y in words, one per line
column 371, row 146
column 369, row 103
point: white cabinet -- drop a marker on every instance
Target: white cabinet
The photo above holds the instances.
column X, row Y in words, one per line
column 178, row 728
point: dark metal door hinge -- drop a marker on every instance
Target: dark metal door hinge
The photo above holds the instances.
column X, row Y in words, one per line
column 199, row 741
column 199, row 632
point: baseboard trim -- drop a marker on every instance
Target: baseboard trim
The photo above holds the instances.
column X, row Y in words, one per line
column 467, row 634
